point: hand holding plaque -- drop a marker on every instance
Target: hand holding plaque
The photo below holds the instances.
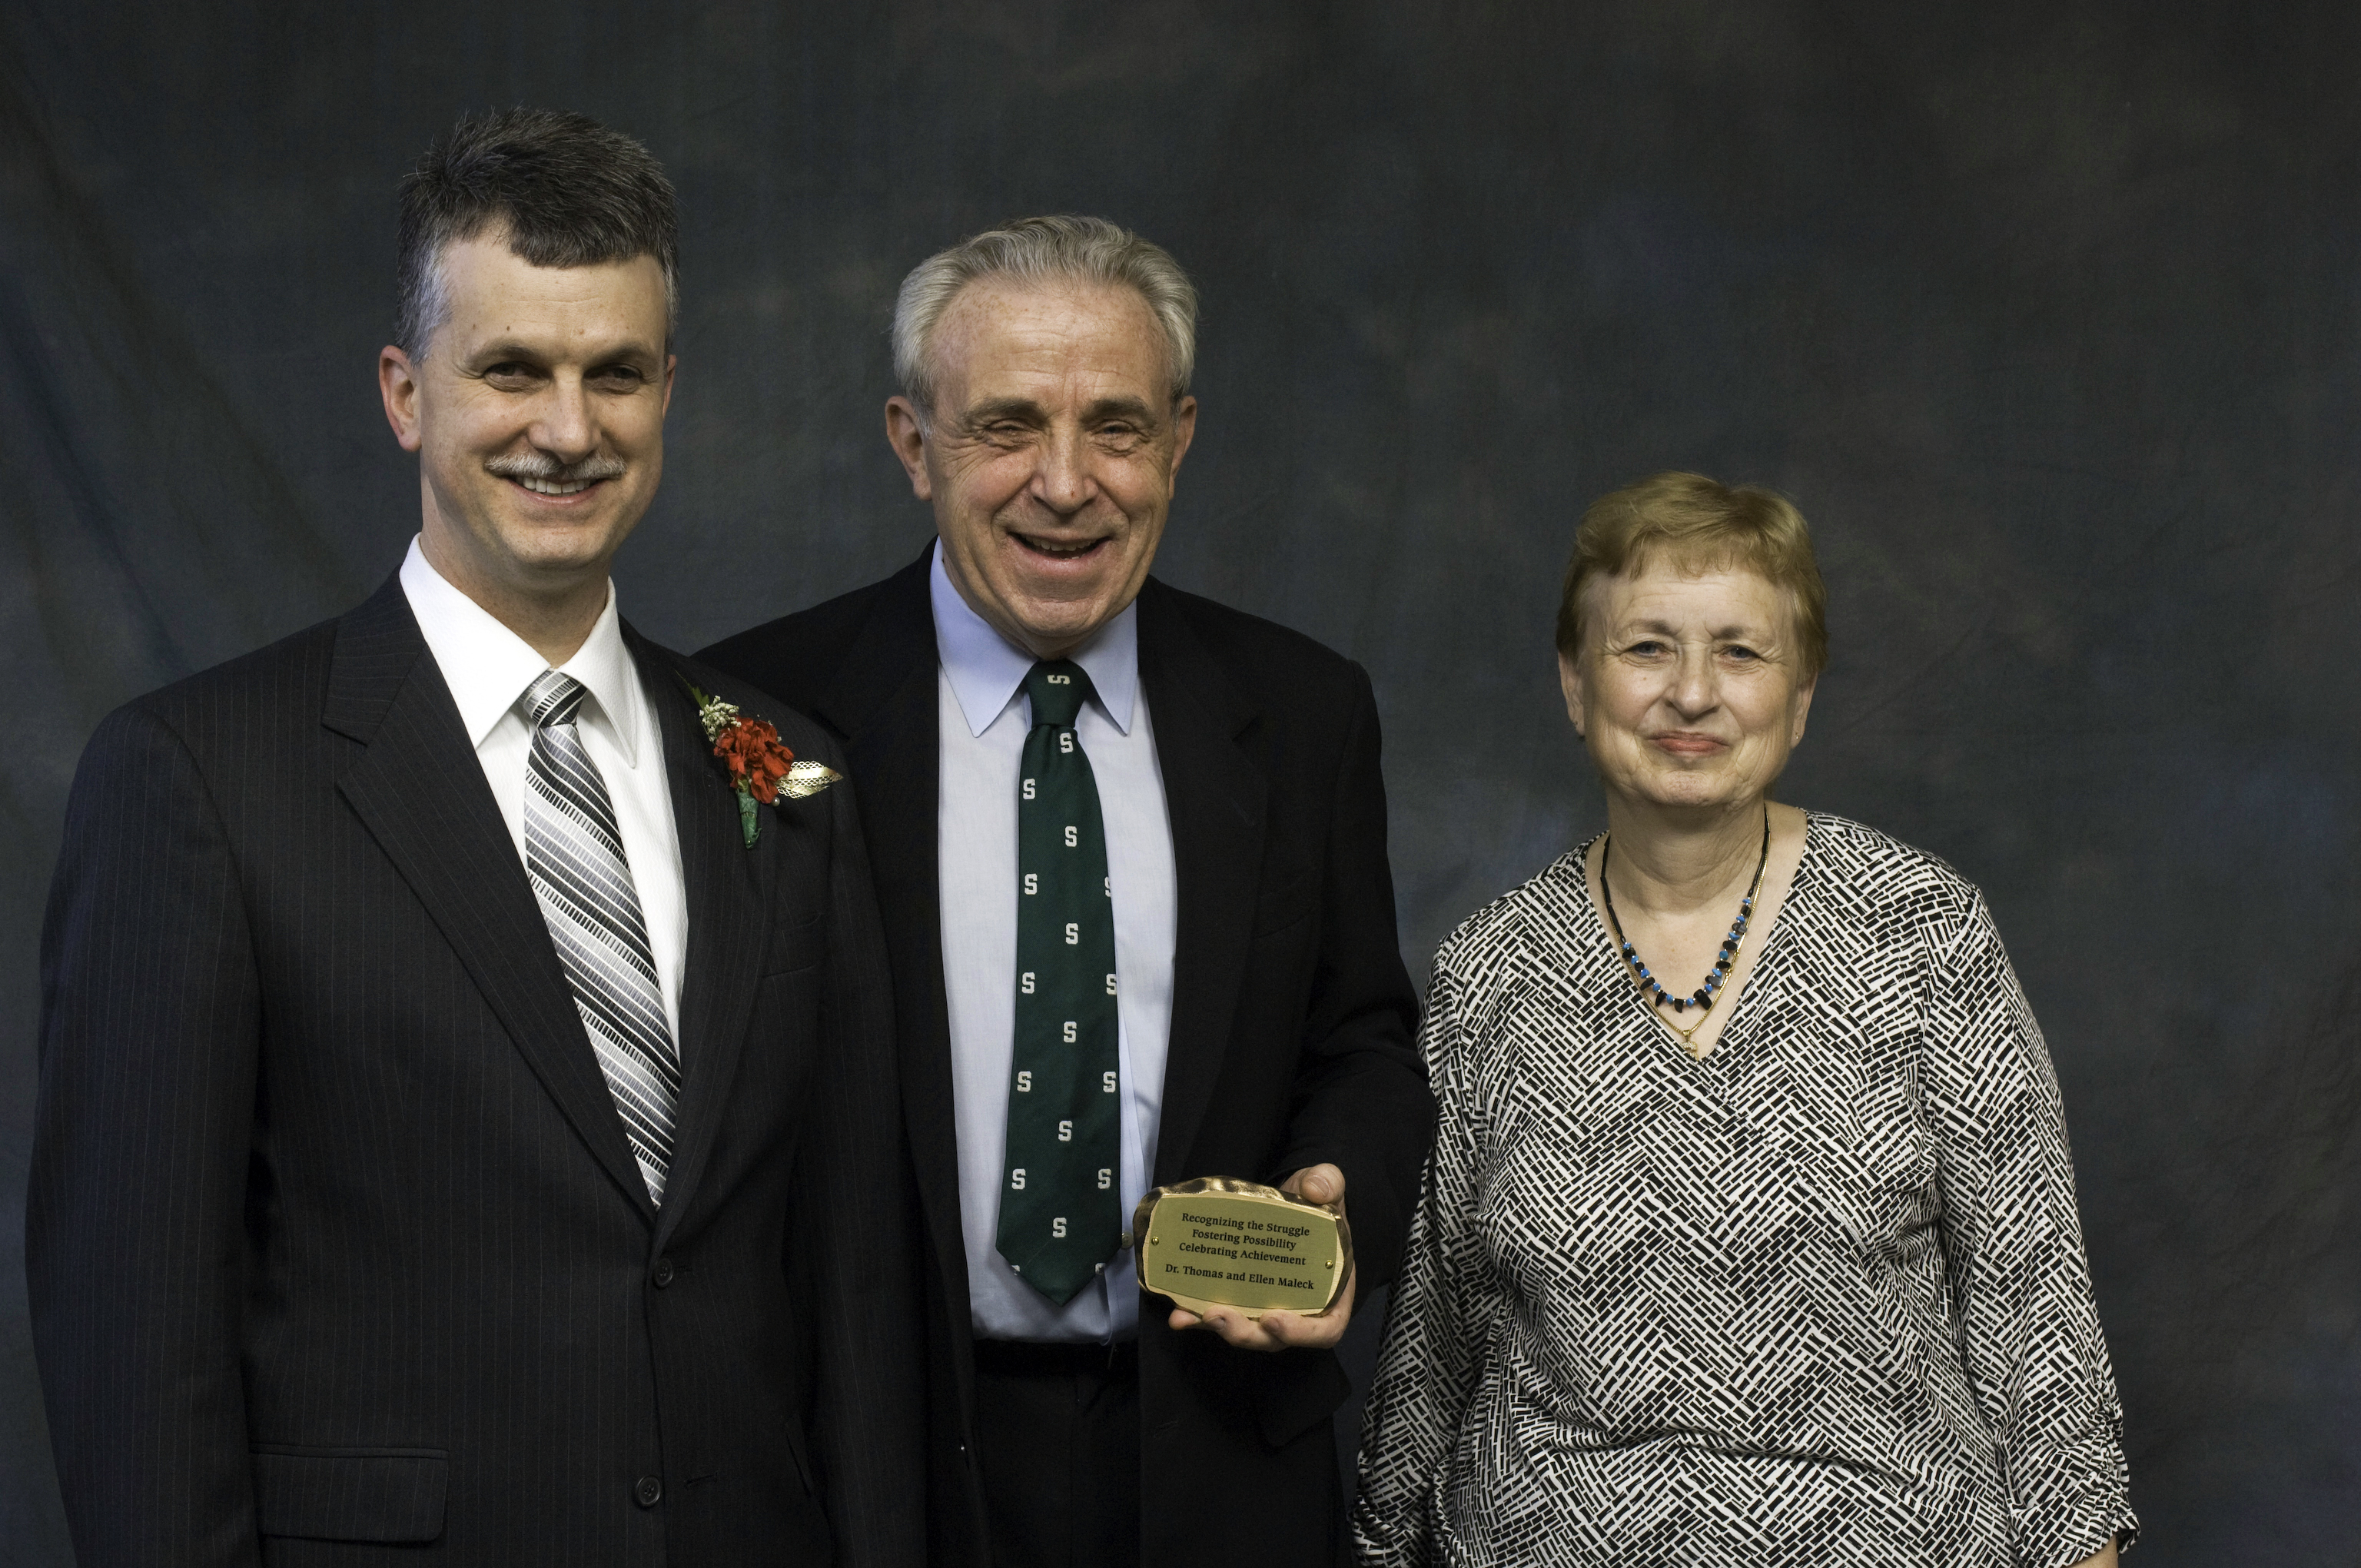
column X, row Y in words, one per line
column 1267, row 1268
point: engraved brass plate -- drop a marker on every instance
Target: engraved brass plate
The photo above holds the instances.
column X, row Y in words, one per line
column 1218, row 1242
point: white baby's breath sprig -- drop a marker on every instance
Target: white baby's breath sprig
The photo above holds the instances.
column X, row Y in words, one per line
column 716, row 715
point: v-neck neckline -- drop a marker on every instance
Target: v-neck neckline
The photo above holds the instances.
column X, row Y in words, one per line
column 1740, row 1013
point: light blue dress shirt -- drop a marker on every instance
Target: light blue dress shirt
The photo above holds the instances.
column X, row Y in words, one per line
column 981, row 720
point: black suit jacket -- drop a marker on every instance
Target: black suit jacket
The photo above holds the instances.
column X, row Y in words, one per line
column 336, row 1250
column 1291, row 1018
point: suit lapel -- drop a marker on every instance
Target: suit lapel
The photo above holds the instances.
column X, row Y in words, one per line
column 728, row 926
column 882, row 699
column 418, row 789
column 1215, row 797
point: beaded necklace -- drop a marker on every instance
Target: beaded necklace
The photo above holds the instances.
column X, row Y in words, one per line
column 1653, row 988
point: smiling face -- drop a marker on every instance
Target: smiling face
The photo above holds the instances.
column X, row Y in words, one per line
column 1689, row 687
column 537, row 414
column 1049, row 455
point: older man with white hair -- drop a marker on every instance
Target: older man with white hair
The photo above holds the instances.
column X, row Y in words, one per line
column 1130, row 847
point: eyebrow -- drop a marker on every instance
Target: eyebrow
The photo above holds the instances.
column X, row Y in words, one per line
column 1719, row 634
column 1030, row 412
column 1125, row 408
column 502, row 348
column 1001, row 408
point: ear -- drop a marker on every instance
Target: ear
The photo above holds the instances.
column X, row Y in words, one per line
column 1803, row 708
column 1184, row 431
column 672, row 364
column 1569, row 681
column 397, row 383
column 906, row 435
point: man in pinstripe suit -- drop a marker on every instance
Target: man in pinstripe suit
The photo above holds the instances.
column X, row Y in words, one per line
column 468, row 1126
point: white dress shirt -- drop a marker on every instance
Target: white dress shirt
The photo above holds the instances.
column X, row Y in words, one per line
column 488, row 667
column 983, row 717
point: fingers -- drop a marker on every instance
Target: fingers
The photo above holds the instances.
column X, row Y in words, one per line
column 1292, row 1331
column 1233, row 1326
column 1277, row 1330
column 1274, row 1331
column 1296, row 1331
column 1316, row 1184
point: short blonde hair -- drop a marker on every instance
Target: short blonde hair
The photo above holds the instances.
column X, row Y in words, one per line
column 1699, row 523
column 1060, row 248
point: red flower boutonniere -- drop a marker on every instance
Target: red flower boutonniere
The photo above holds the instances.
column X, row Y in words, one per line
column 761, row 767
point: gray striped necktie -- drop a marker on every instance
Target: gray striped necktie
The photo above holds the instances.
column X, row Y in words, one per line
column 574, row 855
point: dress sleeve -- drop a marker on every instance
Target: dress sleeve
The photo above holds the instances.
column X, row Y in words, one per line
column 1438, row 1323
column 2029, row 1329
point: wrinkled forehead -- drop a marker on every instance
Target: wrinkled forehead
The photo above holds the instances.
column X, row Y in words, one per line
column 999, row 329
column 1702, row 588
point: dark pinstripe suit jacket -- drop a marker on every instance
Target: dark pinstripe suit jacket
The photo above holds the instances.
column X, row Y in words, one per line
column 336, row 1251
column 1292, row 1019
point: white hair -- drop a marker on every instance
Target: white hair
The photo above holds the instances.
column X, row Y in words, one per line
column 1035, row 251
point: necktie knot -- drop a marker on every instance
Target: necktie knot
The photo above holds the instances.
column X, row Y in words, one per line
column 554, row 698
column 1059, row 688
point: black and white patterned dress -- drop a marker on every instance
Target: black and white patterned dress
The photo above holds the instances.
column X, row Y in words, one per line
column 1817, row 1299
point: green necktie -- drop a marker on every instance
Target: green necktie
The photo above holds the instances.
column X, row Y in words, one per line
column 1060, row 1212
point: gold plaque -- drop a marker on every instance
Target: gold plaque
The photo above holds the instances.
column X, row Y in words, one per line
column 1218, row 1242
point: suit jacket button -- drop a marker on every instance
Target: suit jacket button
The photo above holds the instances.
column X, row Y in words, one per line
column 649, row 1492
column 663, row 1275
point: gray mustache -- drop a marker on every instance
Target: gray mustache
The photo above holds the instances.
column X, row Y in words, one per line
column 540, row 466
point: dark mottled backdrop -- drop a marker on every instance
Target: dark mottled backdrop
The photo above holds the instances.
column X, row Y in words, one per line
column 2046, row 314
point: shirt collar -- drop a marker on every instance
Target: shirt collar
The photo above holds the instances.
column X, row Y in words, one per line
column 488, row 666
column 986, row 669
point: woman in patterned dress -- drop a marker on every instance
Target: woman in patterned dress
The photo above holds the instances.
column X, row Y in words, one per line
column 1749, row 1236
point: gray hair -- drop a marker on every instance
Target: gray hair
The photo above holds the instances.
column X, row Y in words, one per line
column 561, row 188
column 1035, row 251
